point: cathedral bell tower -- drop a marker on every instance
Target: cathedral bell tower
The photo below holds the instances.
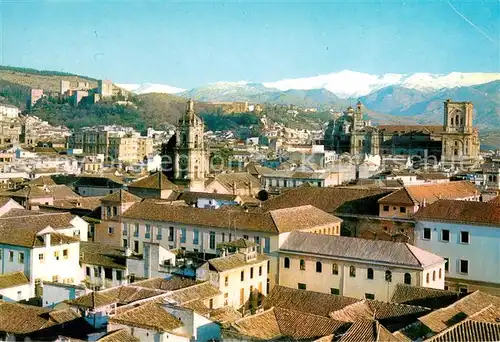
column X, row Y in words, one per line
column 190, row 157
column 460, row 142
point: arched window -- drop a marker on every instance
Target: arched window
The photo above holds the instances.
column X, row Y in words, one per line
column 196, row 141
column 369, row 273
column 440, row 273
column 352, row 271
column 319, row 267
column 433, row 275
column 388, row 276
column 335, row 269
column 427, row 277
column 287, row 263
column 302, row 265
column 408, row 278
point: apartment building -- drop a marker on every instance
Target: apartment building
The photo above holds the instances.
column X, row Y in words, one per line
column 240, row 274
column 467, row 235
column 404, row 203
column 354, row 267
column 293, row 179
column 200, row 230
column 130, row 149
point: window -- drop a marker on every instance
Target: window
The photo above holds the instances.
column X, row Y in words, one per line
column 11, row 256
column 21, row 257
column 226, row 295
column 108, row 211
column 136, row 230
column 407, row 278
column 388, row 276
column 148, row 231
column 370, row 296
column 115, row 211
column 427, row 278
column 369, row 273
column 402, row 210
column 446, row 264
column 463, row 289
column 464, row 266
column 440, row 273
column 260, row 270
column 286, row 263
column 125, row 243
column 56, row 255
column 212, row 240
column 433, row 275
column 427, row 233
column 352, row 271
column 334, row 291
column 267, row 245
column 245, row 237
column 136, row 246
column 226, row 281
column 196, row 236
column 170, row 233
column 251, row 273
column 335, row 269
column 319, row 267
column 464, row 237
column 65, row 254
column 445, row 235
column 301, row 286
column 183, row 235
column 111, row 230
column 242, row 276
column 118, row 275
column 302, row 265
column 386, row 208
column 87, row 271
column 41, row 257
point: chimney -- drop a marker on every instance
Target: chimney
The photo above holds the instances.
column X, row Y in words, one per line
column 234, row 187
column 424, row 203
column 46, row 239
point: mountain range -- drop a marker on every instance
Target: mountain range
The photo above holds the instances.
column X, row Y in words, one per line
column 403, row 98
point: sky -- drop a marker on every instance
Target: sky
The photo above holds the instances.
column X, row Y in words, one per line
column 188, row 44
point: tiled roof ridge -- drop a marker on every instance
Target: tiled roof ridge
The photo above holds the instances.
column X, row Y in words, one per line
column 491, row 306
column 413, row 254
column 410, row 195
column 455, row 326
column 458, row 302
column 398, row 304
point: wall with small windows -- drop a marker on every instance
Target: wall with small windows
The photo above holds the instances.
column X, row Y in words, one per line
column 397, row 210
column 472, row 251
column 352, row 279
column 14, row 259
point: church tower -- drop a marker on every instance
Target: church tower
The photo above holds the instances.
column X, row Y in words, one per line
column 191, row 164
column 460, row 142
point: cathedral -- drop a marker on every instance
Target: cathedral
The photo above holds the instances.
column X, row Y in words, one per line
column 185, row 158
column 454, row 143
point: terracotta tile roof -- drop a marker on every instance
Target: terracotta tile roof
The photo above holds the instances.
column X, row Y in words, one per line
column 469, row 331
column 61, row 191
column 471, row 304
column 77, row 202
column 28, row 192
column 193, row 293
column 130, row 293
column 393, row 316
column 157, row 181
column 368, row 331
column 94, row 253
column 315, row 303
column 25, row 319
column 489, row 314
column 40, row 181
column 109, row 181
column 22, row 230
column 404, row 129
column 121, row 335
column 461, row 211
column 423, row 296
column 389, row 252
column 430, row 193
column 13, row 279
column 331, row 200
column 93, row 300
column 495, row 201
column 239, row 243
column 276, row 221
column 234, row 261
column 149, row 316
column 172, row 284
column 241, row 180
column 225, row 315
column 121, row 196
column 192, row 197
column 283, row 323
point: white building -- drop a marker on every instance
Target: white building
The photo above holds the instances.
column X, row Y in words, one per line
column 15, row 286
column 467, row 235
column 354, row 267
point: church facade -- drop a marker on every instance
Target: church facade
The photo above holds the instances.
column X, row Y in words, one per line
column 454, row 143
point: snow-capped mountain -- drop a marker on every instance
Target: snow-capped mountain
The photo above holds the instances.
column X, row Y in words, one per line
column 348, row 84
column 344, row 84
column 146, row 88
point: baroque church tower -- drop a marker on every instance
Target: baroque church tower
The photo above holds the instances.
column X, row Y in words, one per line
column 191, row 162
column 460, row 142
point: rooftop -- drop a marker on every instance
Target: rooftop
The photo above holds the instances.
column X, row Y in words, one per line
column 275, row 221
column 93, row 300
column 386, row 252
column 423, row 296
column 8, row 280
column 234, row 261
column 461, row 212
column 148, row 316
column 368, row 331
column 158, row 181
column 121, row 335
column 94, row 253
column 121, row 196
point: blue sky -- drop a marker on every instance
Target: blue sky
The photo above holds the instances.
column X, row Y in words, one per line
column 187, row 44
